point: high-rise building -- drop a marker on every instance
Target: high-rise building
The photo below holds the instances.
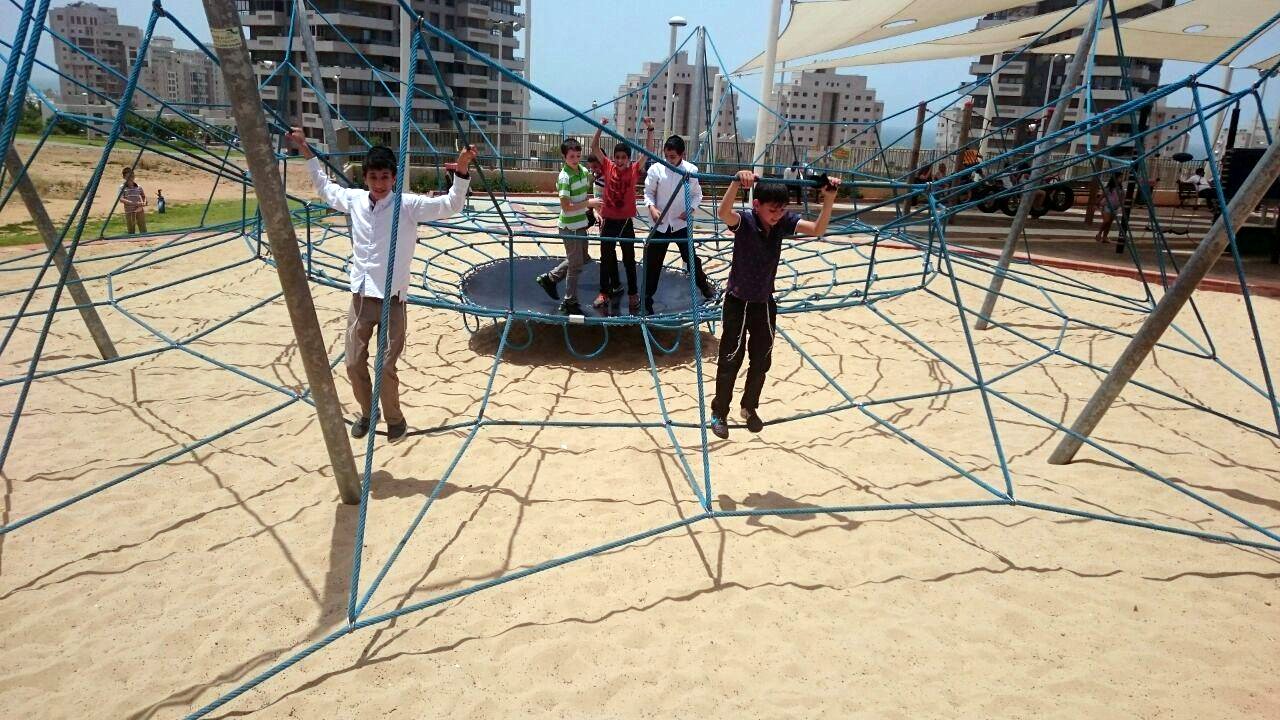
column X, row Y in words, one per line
column 826, row 109
column 188, row 79
column 97, row 31
column 636, row 100
column 355, row 84
column 1031, row 81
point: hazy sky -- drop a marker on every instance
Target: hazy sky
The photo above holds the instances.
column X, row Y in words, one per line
column 583, row 49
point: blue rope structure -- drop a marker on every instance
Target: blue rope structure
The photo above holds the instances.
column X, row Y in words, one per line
column 865, row 261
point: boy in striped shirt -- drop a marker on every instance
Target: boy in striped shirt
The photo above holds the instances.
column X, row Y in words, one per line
column 574, row 188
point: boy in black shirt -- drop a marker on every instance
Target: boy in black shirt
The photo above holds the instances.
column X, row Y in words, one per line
column 749, row 308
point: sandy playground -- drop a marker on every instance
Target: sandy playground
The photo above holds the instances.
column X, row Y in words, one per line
column 154, row 597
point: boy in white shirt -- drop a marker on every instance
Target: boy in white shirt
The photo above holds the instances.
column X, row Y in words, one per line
column 370, row 214
column 660, row 184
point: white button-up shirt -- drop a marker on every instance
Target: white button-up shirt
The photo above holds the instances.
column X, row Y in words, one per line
column 660, row 183
column 371, row 228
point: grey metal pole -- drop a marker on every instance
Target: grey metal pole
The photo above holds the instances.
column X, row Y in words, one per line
column 918, row 138
column 966, row 124
column 35, row 206
column 669, row 116
column 763, row 116
column 697, row 94
column 302, row 26
column 246, row 106
column 1075, row 69
column 1207, row 252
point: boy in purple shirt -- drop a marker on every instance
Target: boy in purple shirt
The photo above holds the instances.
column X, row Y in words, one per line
column 749, row 308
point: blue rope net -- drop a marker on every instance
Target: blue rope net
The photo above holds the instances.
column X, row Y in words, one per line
column 881, row 255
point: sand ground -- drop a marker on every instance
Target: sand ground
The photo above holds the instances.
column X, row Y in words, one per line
column 157, row 595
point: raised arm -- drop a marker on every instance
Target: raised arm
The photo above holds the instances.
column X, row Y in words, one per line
column 729, row 216
column 596, row 151
column 438, row 208
column 333, row 194
column 818, row 228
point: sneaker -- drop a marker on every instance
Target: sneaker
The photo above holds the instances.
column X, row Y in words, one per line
column 615, row 291
column 633, row 303
column 569, row 306
column 548, row 286
column 360, row 428
column 754, row 423
column 707, row 290
column 397, row 431
column 601, row 300
column 719, row 427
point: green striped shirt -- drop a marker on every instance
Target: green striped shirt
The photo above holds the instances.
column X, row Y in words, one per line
column 575, row 185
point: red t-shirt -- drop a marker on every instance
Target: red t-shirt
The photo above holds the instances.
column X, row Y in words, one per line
column 620, row 189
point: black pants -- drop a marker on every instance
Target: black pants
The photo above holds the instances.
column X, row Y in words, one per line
column 748, row 330
column 655, row 255
column 609, row 257
column 797, row 191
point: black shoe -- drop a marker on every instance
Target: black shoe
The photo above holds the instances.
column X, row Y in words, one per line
column 397, row 431
column 360, row 428
column 548, row 286
column 707, row 289
column 719, row 427
column 754, row 423
column 615, row 291
column 570, row 307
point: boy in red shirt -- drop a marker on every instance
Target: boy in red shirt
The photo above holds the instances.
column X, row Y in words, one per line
column 617, row 209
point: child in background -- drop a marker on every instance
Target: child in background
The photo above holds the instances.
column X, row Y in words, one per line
column 749, row 307
column 574, row 187
column 134, row 199
column 618, row 210
column 160, row 202
column 661, row 185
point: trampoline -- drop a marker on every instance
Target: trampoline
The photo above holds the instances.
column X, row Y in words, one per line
column 494, row 286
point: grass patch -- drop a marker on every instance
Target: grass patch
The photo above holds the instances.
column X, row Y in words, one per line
column 65, row 139
column 179, row 216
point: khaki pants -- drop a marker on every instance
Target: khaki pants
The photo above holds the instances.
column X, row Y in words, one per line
column 575, row 256
column 136, row 220
column 362, row 322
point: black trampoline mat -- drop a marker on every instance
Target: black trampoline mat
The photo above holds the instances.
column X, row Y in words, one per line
column 487, row 286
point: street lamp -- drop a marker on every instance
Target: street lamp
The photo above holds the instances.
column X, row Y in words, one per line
column 498, row 28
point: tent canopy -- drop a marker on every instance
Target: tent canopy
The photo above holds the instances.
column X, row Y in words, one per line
column 821, row 26
column 1196, row 31
column 998, row 38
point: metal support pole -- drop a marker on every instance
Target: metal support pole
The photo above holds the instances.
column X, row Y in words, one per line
column 1206, row 254
column 408, row 75
column 697, row 94
column 1075, row 69
column 302, row 26
column 966, row 124
column 763, row 116
column 669, row 116
column 989, row 112
column 35, row 206
column 246, row 105
column 717, row 92
column 1217, row 123
column 1232, row 128
column 916, row 139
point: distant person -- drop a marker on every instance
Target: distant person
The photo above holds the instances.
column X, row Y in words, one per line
column 1111, row 201
column 573, row 185
column 618, row 211
column 160, row 202
column 750, row 311
column 793, row 173
column 369, row 215
column 1204, row 189
column 664, row 196
column 134, row 199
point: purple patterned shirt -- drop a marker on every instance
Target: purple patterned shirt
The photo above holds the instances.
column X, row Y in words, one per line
column 756, row 255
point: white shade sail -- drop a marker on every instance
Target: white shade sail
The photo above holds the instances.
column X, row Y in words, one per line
column 998, row 38
column 1197, row 31
column 824, row 25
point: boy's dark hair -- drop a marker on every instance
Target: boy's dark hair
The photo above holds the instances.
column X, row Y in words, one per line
column 568, row 145
column 379, row 157
column 593, row 159
column 767, row 192
column 622, row 148
column 676, row 143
